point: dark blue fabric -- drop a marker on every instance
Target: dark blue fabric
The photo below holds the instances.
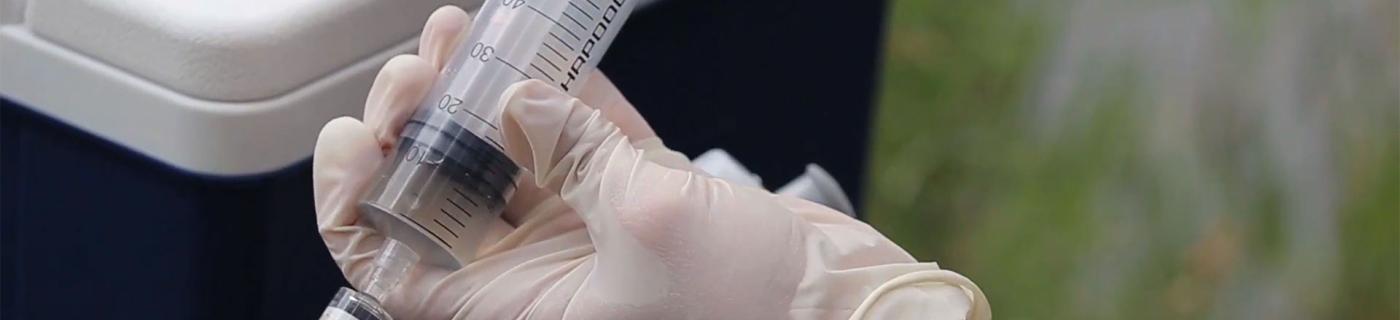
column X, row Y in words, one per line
column 777, row 83
column 90, row 227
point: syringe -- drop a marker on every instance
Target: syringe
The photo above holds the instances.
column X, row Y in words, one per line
column 391, row 265
column 449, row 177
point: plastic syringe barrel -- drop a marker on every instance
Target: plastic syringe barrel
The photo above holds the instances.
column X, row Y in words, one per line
column 440, row 170
column 448, row 179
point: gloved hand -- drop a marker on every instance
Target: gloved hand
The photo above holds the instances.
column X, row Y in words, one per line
column 608, row 223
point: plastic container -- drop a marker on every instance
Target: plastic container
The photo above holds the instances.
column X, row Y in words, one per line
column 155, row 153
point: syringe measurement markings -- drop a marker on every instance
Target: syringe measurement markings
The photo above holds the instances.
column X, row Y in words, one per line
column 458, row 143
column 556, row 22
column 546, row 60
column 464, row 197
column 430, row 232
column 483, row 120
column 476, row 181
column 552, row 49
column 561, row 41
column 454, row 219
column 571, row 18
column 512, row 67
column 459, row 207
column 546, row 74
column 595, row 5
column 444, row 227
column 580, row 10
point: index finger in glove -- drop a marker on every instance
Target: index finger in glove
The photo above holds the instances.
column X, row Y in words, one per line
column 404, row 81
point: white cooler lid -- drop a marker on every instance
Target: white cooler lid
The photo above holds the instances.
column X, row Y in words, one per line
column 224, row 87
column 229, row 50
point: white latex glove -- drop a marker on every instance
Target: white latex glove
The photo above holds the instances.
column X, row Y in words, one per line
column 608, row 223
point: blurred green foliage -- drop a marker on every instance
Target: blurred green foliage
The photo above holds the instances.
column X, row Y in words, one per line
column 1105, row 212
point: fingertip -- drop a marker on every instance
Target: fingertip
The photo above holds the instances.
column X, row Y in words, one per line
column 337, row 136
column 397, row 91
column 526, row 100
column 527, row 106
column 386, row 84
column 400, row 59
column 441, row 33
column 336, row 127
column 345, row 155
column 406, row 69
column 447, row 16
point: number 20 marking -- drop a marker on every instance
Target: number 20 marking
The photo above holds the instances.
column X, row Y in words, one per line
column 449, row 104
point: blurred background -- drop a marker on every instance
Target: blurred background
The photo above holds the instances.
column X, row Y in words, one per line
column 1121, row 159
column 1078, row 159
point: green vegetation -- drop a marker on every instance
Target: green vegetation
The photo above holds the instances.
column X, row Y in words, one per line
column 1078, row 171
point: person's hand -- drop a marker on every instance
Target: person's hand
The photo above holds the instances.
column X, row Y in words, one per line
column 608, row 223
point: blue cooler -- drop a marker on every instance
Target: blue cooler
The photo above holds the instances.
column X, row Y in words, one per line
column 156, row 153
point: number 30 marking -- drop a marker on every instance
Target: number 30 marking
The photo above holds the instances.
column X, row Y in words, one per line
column 482, row 52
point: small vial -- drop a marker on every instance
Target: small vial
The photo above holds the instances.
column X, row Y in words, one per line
column 351, row 305
column 388, row 270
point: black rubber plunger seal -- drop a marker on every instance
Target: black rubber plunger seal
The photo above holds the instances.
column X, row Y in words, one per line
column 470, row 161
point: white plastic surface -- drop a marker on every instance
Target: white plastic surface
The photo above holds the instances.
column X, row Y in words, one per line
column 720, row 164
column 109, row 79
column 12, row 11
column 196, row 135
column 230, row 50
column 816, row 185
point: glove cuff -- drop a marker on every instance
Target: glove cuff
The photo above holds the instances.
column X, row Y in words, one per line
column 916, row 292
